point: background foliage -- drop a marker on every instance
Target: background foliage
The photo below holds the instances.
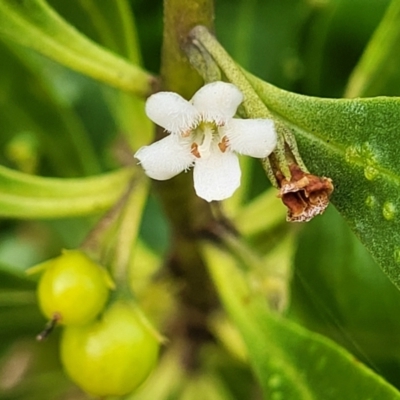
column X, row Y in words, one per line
column 59, row 123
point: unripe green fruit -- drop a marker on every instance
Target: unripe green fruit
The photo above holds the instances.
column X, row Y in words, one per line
column 113, row 356
column 73, row 289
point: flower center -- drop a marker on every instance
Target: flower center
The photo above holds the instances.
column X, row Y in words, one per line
column 208, row 136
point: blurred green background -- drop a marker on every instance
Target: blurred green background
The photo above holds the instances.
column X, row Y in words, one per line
column 54, row 122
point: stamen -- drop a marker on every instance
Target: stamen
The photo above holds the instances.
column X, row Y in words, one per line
column 223, row 144
column 195, row 150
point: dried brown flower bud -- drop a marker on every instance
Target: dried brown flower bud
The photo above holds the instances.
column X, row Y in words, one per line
column 305, row 195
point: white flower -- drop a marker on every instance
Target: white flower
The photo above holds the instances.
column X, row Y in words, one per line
column 204, row 134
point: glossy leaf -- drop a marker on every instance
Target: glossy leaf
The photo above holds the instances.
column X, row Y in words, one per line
column 36, row 25
column 26, row 196
column 290, row 362
column 354, row 143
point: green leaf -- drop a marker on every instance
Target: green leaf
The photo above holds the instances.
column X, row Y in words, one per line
column 290, row 362
column 36, row 25
column 354, row 143
column 26, row 196
column 335, row 292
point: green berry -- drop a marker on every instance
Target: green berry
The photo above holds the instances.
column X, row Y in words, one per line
column 113, row 356
column 73, row 289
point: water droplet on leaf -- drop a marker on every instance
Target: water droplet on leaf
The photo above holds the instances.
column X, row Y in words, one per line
column 389, row 210
column 352, row 154
column 370, row 201
column 396, row 255
column 370, row 173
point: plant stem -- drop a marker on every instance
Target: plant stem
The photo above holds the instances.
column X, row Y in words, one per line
column 188, row 214
column 128, row 232
column 180, row 16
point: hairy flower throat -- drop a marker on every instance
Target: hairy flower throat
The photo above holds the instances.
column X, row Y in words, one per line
column 206, row 137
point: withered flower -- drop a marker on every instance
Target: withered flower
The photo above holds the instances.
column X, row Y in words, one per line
column 305, row 195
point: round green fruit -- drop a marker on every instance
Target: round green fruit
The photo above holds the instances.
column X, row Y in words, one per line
column 113, row 356
column 73, row 289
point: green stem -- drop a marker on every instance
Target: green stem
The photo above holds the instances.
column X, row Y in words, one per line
column 188, row 214
column 128, row 231
column 113, row 240
column 180, row 16
column 104, row 232
column 253, row 106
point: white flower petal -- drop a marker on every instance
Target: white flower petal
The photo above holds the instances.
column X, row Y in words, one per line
column 217, row 101
column 166, row 158
column 217, row 176
column 172, row 112
column 253, row 137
